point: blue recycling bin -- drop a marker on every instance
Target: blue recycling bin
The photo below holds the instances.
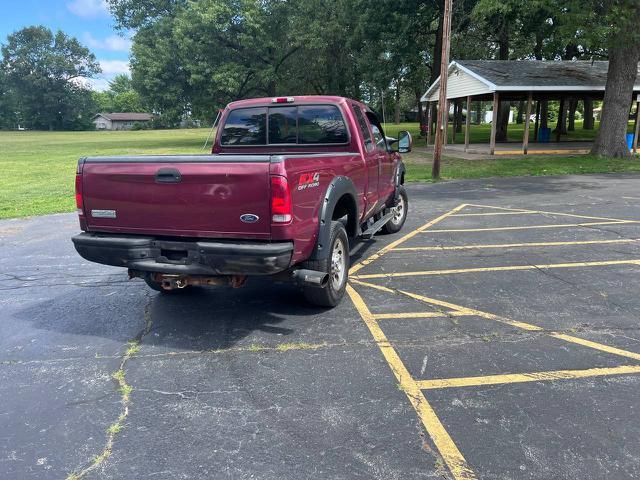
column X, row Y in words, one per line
column 629, row 141
column 544, row 135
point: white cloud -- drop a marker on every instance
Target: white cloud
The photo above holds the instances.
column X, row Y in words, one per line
column 96, row 84
column 112, row 67
column 114, row 43
column 89, row 8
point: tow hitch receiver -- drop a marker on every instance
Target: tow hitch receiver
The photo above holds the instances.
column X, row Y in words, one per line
column 172, row 281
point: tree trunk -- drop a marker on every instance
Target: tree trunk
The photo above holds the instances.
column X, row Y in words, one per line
column 623, row 63
column 544, row 114
column 437, row 47
column 502, row 121
column 479, row 113
column 520, row 114
column 397, row 109
column 588, row 114
column 421, row 114
column 458, row 116
column 573, row 105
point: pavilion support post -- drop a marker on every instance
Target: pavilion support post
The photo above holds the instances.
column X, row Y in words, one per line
column 429, row 123
column 447, row 105
column 635, row 137
column 494, row 122
column 454, row 121
column 537, row 123
column 467, row 124
column 527, row 121
column 561, row 119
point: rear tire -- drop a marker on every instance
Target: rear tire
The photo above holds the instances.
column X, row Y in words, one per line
column 401, row 209
column 337, row 266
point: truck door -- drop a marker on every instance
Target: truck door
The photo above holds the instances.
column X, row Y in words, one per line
column 371, row 160
column 385, row 159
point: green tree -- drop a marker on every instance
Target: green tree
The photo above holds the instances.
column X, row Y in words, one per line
column 121, row 83
column 609, row 28
column 44, row 73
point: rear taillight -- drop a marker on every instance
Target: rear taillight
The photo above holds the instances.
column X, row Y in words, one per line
column 280, row 200
column 79, row 193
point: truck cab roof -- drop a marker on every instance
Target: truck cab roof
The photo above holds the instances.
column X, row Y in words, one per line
column 294, row 100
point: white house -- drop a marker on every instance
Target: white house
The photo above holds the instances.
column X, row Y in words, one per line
column 120, row 121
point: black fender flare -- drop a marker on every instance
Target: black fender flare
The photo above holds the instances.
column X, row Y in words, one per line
column 399, row 180
column 400, row 171
column 338, row 187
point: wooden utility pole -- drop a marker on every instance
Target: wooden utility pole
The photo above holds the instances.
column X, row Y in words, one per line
column 443, row 106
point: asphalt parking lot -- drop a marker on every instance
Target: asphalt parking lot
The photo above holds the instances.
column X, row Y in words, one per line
column 495, row 337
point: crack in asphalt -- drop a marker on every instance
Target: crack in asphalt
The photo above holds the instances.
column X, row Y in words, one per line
column 125, row 390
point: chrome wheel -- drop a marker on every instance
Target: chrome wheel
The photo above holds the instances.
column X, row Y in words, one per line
column 399, row 211
column 338, row 264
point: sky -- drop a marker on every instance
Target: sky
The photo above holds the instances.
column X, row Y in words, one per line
column 87, row 20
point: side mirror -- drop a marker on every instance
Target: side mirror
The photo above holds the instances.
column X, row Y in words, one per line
column 404, row 141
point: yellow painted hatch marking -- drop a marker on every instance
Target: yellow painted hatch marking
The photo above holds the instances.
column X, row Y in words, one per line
column 546, row 212
column 596, row 345
column 384, row 316
column 526, row 377
column 507, row 321
column 507, row 268
column 447, row 448
column 394, row 244
column 515, row 245
column 492, row 214
column 529, row 227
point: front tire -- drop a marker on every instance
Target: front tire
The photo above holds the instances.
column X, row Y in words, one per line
column 400, row 213
column 337, row 266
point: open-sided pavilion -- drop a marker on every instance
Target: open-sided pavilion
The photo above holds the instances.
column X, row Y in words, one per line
column 523, row 80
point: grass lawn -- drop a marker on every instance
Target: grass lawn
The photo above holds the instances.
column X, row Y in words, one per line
column 38, row 167
column 419, row 168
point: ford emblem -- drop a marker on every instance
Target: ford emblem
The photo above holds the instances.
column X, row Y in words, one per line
column 249, row 218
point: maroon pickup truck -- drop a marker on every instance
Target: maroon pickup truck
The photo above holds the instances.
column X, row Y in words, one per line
column 290, row 184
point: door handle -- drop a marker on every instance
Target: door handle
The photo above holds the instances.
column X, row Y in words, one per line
column 168, row 175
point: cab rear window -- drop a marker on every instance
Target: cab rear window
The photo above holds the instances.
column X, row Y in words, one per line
column 286, row 125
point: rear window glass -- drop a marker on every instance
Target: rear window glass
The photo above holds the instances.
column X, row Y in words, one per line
column 283, row 125
column 321, row 124
column 245, row 126
column 290, row 125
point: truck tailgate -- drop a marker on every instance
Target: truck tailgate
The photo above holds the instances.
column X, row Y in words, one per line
column 181, row 195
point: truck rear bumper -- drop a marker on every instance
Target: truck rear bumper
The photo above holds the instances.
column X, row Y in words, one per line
column 197, row 257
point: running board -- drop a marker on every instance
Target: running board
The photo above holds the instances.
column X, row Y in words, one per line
column 373, row 229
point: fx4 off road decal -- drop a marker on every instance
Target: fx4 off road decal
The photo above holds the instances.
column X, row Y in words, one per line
column 308, row 180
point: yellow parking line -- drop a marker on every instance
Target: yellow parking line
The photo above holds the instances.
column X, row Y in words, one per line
column 447, row 448
column 595, row 345
column 549, row 213
column 409, row 235
column 526, row 377
column 384, row 316
column 522, row 325
column 528, row 227
column 492, row 214
column 515, row 245
column 507, row 268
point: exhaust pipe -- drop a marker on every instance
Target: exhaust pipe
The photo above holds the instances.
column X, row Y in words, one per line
column 310, row 277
